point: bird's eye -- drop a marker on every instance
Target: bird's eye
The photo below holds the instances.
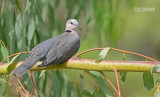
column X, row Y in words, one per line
column 71, row 23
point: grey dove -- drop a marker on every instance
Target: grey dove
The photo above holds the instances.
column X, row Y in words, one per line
column 53, row 51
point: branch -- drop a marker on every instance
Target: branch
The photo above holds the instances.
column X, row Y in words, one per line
column 89, row 64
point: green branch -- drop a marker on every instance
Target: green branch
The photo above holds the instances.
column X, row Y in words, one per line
column 89, row 64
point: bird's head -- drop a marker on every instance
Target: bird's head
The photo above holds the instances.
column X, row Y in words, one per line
column 72, row 24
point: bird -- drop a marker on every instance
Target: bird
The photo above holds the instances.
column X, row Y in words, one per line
column 53, row 51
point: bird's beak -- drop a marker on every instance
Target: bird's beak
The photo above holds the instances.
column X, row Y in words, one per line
column 78, row 27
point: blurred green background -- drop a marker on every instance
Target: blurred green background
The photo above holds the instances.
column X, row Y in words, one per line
column 114, row 23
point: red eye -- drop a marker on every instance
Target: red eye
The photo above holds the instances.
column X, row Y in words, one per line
column 71, row 23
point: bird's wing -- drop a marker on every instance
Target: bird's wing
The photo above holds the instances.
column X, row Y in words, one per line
column 61, row 51
column 38, row 53
column 51, row 55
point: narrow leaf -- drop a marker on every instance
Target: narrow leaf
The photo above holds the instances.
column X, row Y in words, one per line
column 13, row 59
column 4, row 52
column 157, row 94
column 103, row 54
column 42, row 74
column 123, row 76
column 2, row 89
column 86, row 93
column 148, row 80
column 31, row 29
column 69, row 89
column 101, row 83
column 156, row 68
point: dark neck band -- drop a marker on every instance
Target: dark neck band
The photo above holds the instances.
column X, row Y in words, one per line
column 68, row 31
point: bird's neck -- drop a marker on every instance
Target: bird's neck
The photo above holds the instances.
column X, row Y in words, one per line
column 68, row 31
column 71, row 32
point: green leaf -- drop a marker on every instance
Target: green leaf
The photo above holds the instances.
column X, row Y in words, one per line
column 156, row 68
column 28, row 6
column 4, row 52
column 157, row 94
column 148, row 80
column 124, row 57
column 55, row 85
column 2, row 89
column 31, row 29
column 3, row 86
column 98, row 93
column 18, row 30
column 86, row 93
column 40, row 25
column 123, row 76
column 101, row 83
column 158, row 80
column 103, row 54
column 45, row 83
column 69, row 89
column 42, row 74
column 13, row 59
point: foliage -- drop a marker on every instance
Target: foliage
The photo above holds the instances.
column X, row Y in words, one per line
column 25, row 23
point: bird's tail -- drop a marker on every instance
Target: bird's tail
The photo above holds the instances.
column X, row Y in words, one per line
column 24, row 67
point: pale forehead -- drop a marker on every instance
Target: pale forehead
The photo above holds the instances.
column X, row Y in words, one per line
column 74, row 21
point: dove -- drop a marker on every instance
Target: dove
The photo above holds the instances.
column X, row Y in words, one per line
column 53, row 51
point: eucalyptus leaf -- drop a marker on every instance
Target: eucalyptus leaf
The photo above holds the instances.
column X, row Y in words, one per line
column 55, row 85
column 42, row 73
column 2, row 89
column 103, row 54
column 69, row 89
column 12, row 60
column 148, row 80
column 86, row 93
column 31, row 29
column 123, row 76
column 4, row 52
column 156, row 68
column 101, row 83
column 157, row 94
column 98, row 93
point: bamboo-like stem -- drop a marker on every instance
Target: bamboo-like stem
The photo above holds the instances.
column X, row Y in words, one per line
column 89, row 64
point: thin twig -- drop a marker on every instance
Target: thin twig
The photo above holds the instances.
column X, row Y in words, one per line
column 12, row 84
column 14, row 55
column 8, row 81
column 135, row 54
column 109, row 82
column 97, row 82
column 115, row 70
column 119, row 51
column 33, row 82
column 22, row 86
column 157, row 90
